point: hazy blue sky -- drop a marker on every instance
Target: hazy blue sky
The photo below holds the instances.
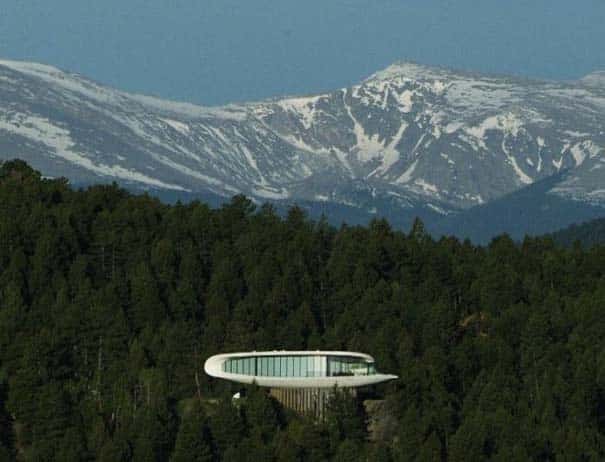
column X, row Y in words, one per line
column 216, row 51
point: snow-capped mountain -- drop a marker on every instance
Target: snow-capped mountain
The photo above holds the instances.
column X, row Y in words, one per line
column 408, row 136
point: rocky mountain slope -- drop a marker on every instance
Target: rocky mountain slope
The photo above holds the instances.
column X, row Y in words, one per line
column 409, row 137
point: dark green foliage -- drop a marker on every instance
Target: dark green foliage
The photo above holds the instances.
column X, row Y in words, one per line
column 6, row 426
column 261, row 414
column 345, row 420
column 193, row 441
column 110, row 303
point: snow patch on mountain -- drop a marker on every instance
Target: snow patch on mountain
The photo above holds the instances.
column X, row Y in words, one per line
column 406, row 177
column 303, row 108
column 524, row 177
column 367, row 146
column 58, row 140
column 509, row 124
column 180, row 127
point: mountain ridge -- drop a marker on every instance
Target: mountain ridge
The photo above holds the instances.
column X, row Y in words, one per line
column 408, row 137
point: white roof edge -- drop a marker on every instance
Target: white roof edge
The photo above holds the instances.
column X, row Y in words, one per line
column 294, row 353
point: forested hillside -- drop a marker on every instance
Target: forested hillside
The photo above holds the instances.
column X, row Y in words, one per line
column 587, row 234
column 110, row 303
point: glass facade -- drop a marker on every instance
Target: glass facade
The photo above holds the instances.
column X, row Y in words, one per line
column 347, row 365
column 299, row 366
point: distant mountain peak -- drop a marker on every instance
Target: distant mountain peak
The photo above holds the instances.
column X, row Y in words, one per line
column 594, row 79
column 86, row 88
column 30, row 67
column 407, row 69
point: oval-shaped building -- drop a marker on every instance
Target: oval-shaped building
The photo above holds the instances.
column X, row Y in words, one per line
column 297, row 369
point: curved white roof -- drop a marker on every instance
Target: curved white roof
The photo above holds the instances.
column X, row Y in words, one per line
column 245, row 354
column 214, row 366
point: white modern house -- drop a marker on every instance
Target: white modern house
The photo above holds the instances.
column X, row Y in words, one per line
column 297, row 369
column 300, row 380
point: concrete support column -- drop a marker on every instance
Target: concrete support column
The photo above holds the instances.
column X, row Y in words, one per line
column 306, row 401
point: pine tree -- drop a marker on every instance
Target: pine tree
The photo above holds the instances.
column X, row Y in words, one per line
column 226, row 425
column 147, row 309
column 193, row 441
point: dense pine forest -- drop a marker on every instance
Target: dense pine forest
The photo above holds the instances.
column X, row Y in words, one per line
column 111, row 302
